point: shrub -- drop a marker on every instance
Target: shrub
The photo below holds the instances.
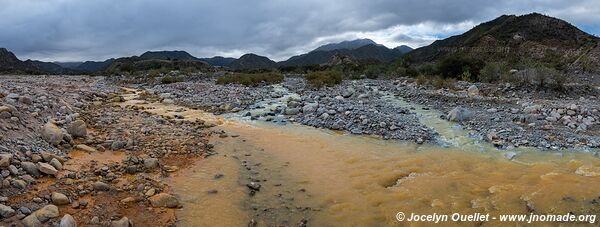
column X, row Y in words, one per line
column 459, row 67
column 421, row 80
column 444, row 83
column 250, row 79
column 169, row 80
column 373, row 71
column 492, row 72
column 324, row 78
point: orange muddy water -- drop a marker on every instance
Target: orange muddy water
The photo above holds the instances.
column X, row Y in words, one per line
column 326, row 178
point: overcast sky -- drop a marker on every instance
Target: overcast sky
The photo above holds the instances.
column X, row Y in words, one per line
column 71, row 30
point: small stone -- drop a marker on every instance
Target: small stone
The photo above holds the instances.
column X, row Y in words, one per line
column 150, row 192
column 510, row 155
column 95, row 220
column 164, row 200
column 254, row 186
column 21, row 184
column 85, row 148
column 459, row 114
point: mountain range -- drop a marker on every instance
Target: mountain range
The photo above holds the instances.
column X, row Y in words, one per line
column 512, row 39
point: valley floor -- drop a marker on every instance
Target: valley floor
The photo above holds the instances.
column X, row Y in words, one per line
column 99, row 151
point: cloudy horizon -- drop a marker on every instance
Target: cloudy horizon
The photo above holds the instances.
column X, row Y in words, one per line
column 70, row 30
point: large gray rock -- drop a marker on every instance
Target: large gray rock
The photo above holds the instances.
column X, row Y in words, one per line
column 67, row 221
column 6, row 211
column 310, row 107
column 292, row 111
column 459, row 114
column 30, row 168
column 164, row 200
column 77, row 128
column 52, row 134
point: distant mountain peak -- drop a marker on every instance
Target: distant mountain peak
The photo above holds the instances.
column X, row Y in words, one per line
column 167, row 55
column 350, row 45
column 252, row 61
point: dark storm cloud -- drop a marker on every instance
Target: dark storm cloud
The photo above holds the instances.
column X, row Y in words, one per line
column 98, row 29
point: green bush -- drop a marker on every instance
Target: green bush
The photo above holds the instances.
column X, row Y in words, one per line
column 324, row 78
column 250, row 79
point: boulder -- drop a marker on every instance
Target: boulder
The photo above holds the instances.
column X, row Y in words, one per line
column 52, row 134
column 85, row 148
column 47, row 168
column 31, row 221
column 6, row 211
column 292, row 111
column 30, row 168
column 101, row 186
column 60, row 199
column 123, row 222
column 67, row 221
column 150, row 163
column 459, row 114
column 5, row 160
column 310, row 107
column 473, row 90
column 77, row 128
column 46, row 213
column 56, row 164
column 164, row 200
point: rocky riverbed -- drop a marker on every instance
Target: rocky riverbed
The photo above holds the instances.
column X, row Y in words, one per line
column 77, row 149
column 501, row 114
column 72, row 152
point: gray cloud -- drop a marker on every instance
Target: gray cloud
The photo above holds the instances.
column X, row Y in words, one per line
column 99, row 29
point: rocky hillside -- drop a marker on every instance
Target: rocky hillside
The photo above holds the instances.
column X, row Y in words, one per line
column 10, row 64
column 369, row 52
column 218, row 61
column 94, row 66
column 350, row 45
column 167, row 55
column 252, row 62
column 517, row 39
column 51, row 68
column 137, row 64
